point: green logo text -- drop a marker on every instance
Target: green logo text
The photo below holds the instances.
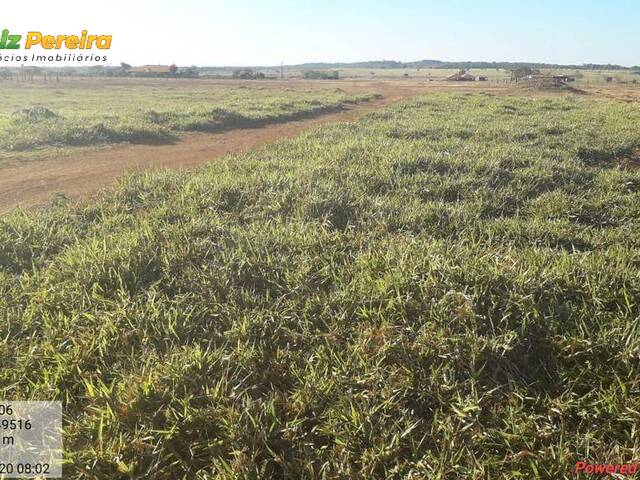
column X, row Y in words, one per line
column 9, row 42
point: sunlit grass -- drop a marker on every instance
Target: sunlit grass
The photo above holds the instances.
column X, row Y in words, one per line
column 446, row 289
column 144, row 114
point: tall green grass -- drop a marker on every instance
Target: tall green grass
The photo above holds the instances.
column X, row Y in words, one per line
column 51, row 116
column 446, row 289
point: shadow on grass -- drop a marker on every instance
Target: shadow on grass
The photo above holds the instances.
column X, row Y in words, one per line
column 627, row 159
column 533, row 360
column 234, row 121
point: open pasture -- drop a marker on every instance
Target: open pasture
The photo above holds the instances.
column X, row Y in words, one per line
column 445, row 289
column 85, row 113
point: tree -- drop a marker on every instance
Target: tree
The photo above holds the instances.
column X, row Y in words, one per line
column 321, row 75
column 120, row 71
column 519, row 73
column 191, row 72
column 96, row 70
column 247, row 74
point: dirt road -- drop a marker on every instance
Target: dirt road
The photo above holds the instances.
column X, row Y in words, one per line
column 84, row 173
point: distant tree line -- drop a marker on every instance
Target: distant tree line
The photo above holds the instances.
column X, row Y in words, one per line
column 460, row 65
column 123, row 70
column 248, row 74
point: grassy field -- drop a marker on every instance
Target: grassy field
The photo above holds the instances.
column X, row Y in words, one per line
column 446, row 289
column 51, row 115
column 584, row 77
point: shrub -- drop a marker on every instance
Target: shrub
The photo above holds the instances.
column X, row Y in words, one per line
column 34, row 114
column 248, row 74
column 321, row 75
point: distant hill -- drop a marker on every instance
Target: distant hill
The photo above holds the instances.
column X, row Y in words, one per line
column 459, row 65
column 376, row 64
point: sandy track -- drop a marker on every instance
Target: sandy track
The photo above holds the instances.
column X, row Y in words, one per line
column 84, row 173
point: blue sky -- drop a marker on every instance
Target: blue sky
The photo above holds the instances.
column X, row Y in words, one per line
column 267, row 32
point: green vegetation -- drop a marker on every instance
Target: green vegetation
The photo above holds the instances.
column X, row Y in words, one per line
column 248, row 74
column 437, row 64
column 524, row 72
column 146, row 114
column 392, row 68
column 498, row 75
column 321, row 75
column 446, row 289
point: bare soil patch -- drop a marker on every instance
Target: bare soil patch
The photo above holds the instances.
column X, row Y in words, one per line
column 629, row 161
